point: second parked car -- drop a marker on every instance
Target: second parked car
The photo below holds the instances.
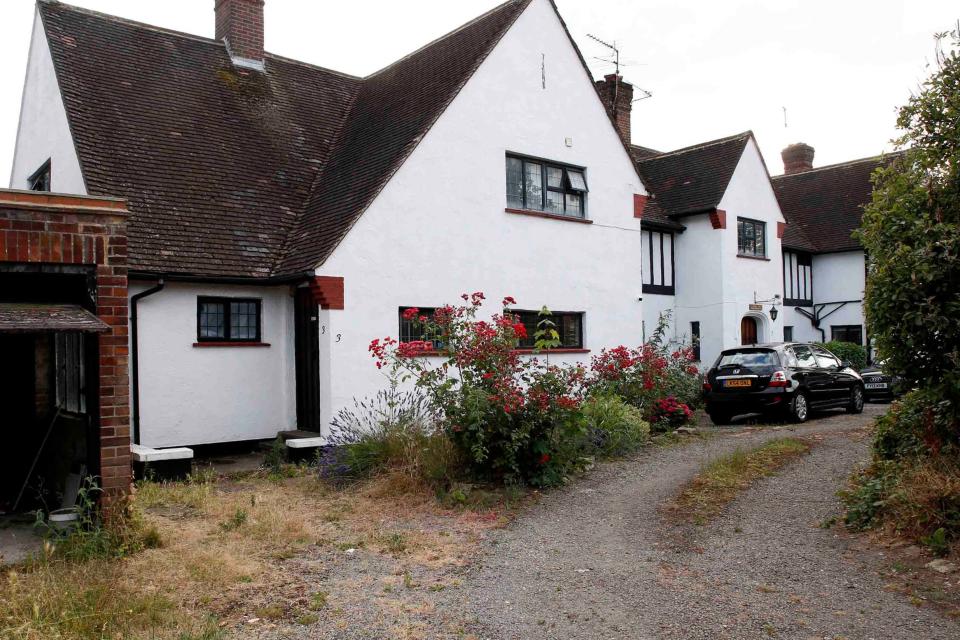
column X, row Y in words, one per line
column 788, row 380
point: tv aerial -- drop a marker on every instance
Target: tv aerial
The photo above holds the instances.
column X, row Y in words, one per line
column 614, row 59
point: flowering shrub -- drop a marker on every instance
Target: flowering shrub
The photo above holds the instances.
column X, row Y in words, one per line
column 669, row 413
column 516, row 419
column 645, row 375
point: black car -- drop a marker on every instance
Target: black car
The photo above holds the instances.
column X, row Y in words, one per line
column 878, row 384
column 788, row 380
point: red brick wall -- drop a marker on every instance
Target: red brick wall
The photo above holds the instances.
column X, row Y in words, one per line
column 55, row 229
column 240, row 23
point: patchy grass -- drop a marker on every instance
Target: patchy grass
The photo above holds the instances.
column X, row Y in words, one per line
column 721, row 480
column 265, row 546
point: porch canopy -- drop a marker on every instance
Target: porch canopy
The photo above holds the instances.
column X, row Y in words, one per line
column 41, row 318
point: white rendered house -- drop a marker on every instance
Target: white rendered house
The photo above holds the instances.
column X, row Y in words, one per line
column 823, row 263
column 712, row 232
column 737, row 257
column 282, row 215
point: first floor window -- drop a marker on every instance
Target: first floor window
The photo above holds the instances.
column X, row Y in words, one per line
column 228, row 320
column 70, row 372
column 751, row 238
column 788, row 334
column 544, row 186
column 847, row 333
column 569, row 326
column 40, row 180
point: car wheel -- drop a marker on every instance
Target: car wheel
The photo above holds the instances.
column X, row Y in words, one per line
column 856, row 400
column 799, row 408
column 720, row 418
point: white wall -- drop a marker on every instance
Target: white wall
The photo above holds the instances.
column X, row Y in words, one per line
column 750, row 195
column 198, row 395
column 43, row 132
column 439, row 227
column 838, row 277
column 714, row 286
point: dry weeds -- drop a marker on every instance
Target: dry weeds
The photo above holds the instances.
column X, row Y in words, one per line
column 254, row 547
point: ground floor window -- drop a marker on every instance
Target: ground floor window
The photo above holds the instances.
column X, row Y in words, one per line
column 228, row 320
column 569, row 326
column 847, row 333
column 413, row 325
column 788, row 334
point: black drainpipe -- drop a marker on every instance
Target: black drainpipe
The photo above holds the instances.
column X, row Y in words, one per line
column 135, row 357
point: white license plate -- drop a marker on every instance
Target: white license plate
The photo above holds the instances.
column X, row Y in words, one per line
column 876, row 385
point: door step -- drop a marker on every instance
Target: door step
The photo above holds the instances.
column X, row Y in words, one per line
column 161, row 464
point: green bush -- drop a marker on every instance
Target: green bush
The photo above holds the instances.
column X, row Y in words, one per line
column 394, row 431
column 918, row 424
column 851, row 352
column 913, row 484
column 911, row 234
column 614, row 428
column 869, row 492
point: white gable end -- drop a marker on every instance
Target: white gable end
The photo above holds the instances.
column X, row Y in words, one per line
column 43, row 132
column 440, row 226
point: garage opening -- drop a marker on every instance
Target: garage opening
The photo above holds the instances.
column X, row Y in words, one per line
column 47, row 398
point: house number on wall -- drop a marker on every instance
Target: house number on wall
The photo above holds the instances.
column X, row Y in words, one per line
column 323, row 330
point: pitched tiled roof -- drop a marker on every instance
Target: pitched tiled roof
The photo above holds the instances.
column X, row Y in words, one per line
column 394, row 109
column 824, row 206
column 690, row 180
column 230, row 172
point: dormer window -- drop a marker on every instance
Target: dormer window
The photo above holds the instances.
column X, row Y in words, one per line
column 540, row 185
column 40, row 180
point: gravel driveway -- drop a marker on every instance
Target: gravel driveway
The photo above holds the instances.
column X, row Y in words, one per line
column 598, row 560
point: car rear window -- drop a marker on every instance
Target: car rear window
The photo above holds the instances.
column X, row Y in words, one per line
column 749, row 358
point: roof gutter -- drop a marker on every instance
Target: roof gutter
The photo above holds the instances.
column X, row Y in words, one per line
column 135, row 355
column 190, row 277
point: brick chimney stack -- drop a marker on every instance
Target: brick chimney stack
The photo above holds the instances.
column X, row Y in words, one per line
column 240, row 25
column 617, row 96
column 797, row 157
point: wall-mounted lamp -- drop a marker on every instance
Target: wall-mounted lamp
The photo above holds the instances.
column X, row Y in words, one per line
column 774, row 313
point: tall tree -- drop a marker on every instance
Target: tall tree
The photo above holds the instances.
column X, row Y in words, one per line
column 911, row 233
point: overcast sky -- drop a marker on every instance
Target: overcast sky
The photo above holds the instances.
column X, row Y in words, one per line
column 840, row 67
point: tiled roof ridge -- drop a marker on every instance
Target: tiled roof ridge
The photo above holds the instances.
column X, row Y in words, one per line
column 443, row 37
column 129, row 22
column 839, row 165
column 698, row 146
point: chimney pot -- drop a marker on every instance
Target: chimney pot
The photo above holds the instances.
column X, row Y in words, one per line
column 797, row 157
column 239, row 23
column 617, row 97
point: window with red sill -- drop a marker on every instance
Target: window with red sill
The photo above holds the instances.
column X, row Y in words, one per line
column 228, row 320
column 550, row 187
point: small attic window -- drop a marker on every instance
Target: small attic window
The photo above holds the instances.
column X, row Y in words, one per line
column 40, row 180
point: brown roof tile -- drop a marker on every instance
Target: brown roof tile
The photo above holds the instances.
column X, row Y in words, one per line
column 230, row 172
column 824, row 206
column 689, row 180
column 394, row 109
